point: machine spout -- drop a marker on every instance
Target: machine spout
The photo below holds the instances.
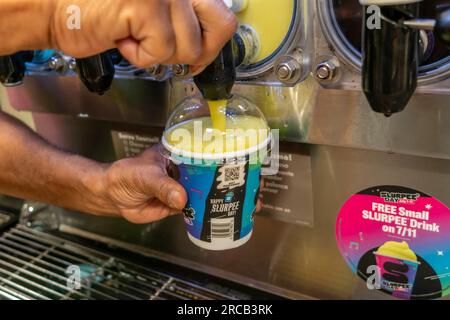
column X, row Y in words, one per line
column 217, row 80
column 390, row 58
column 97, row 72
column 391, row 52
column 12, row 68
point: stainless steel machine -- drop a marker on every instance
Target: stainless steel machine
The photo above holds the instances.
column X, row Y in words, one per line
column 303, row 67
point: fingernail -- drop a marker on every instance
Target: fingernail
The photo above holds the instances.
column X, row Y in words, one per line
column 173, row 199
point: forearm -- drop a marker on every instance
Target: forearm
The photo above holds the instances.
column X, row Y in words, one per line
column 30, row 168
column 25, row 25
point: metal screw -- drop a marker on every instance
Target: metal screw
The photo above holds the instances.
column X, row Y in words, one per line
column 180, row 70
column 73, row 64
column 326, row 71
column 56, row 63
column 156, row 70
column 288, row 69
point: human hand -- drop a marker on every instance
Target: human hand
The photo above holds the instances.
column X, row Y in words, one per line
column 140, row 190
column 146, row 32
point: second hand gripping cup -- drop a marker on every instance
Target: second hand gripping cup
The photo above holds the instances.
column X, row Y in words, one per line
column 220, row 171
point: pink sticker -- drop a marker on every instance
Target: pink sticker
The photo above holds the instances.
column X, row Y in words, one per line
column 398, row 240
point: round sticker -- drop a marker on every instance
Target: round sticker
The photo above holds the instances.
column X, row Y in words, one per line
column 397, row 240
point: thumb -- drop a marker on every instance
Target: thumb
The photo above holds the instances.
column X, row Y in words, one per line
column 166, row 189
column 172, row 193
column 159, row 184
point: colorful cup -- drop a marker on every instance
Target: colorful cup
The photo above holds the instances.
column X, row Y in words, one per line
column 397, row 276
column 221, row 202
column 222, row 184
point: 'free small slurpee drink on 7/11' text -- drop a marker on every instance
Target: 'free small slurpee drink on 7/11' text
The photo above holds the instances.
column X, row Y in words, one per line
column 219, row 168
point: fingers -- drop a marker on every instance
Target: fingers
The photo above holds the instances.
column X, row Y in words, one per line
column 150, row 39
column 159, row 183
column 156, row 182
column 196, row 70
column 149, row 32
column 188, row 36
column 218, row 24
column 153, row 211
column 167, row 190
column 187, row 32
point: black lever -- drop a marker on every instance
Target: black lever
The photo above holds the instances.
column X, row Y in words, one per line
column 97, row 72
column 12, row 68
column 217, row 80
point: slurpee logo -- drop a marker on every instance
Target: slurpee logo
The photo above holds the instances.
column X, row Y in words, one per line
column 399, row 197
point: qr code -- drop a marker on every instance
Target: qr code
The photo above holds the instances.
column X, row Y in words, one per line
column 232, row 173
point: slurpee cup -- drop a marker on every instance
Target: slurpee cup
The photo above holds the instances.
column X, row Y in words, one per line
column 398, row 266
column 219, row 169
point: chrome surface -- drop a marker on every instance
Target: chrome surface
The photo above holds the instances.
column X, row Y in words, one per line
column 311, row 114
column 300, row 36
column 306, row 113
column 431, row 78
column 422, row 24
column 290, row 260
column 351, row 148
column 33, row 265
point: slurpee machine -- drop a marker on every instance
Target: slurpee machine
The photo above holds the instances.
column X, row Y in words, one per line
column 356, row 94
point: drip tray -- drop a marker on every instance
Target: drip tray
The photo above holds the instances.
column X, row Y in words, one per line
column 37, row 265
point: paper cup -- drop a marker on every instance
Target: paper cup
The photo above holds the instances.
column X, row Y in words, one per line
column 222, row 194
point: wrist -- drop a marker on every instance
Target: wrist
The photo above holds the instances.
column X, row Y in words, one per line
column 95, row 187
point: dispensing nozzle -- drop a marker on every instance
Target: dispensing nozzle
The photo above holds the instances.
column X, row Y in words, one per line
column 12, row 68
column 390, row 57
column 217, row 80
column 97, row 72
column 391, row 52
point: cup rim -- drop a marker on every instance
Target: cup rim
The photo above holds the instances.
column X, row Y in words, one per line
column 214, row 156
column 386, row 255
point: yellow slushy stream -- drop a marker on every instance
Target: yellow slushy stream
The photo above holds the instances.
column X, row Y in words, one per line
column 217, row 109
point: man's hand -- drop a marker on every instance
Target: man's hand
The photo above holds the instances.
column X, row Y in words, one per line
column 146, row 32
column 137, row 189
column 140, row 190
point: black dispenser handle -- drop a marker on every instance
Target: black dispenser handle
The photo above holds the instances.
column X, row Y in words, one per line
column 390, row 59
column 97, row 72
column 12, row 68
column 217, row 80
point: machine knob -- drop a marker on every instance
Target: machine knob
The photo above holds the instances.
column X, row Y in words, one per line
column 12, row 68
column 96, row 72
